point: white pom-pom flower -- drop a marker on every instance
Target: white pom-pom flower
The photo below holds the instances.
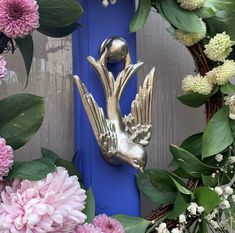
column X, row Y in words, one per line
column 219, row 47
column 197, row 84
column 230, row 101
column 189, row 39
column 191, row 4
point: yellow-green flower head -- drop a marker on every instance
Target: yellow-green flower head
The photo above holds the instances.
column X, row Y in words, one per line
column 230, row 101
column 189, row 39
column 197, row 84
column 191, row 4
column 219, row 47
column 222, row 74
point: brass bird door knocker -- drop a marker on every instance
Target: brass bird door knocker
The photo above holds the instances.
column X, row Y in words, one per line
column 121, row 139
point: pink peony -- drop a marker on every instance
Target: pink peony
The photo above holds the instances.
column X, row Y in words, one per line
column 3, row 69
column 88, row 228
column 50, row 205
column 107, row 224
column 6, row 158
column 18, row 18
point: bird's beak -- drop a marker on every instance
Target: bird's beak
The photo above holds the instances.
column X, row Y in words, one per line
column 141, row 170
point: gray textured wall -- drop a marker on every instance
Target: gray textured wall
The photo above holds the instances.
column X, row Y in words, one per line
column 49, row 78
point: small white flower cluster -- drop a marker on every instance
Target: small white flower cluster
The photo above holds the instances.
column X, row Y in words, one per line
column 225, row 193
column 219, row 157
column 230, row 101
column 194, row 209
column 162, row 228
column 106, row 2
column 219, row 47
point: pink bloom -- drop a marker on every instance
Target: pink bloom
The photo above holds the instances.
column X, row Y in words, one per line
column 107, row 224
column 18, row 18
column 3, row 69
column 88, row 228
column 50, row 205
column 6, row 158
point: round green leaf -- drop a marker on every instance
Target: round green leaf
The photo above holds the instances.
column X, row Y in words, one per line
column 227, row 88
column 132, row 224
column 21, row 116
column 218, row 134
column 207, row 198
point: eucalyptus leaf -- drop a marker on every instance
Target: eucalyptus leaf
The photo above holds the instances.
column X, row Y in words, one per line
column 141, row 15
column 189, row 163
column 58, row 14
column 193, row 144
column 31, row 170
column 21, row 116
column 182, row 19
column 49, row 154
column 227, row 88
column 149, row 191
column 218, row 134
column 132, row 224
column 180, row 206
column 26, row 48
column 167, row 182
column 207, row 198
column 89, row 210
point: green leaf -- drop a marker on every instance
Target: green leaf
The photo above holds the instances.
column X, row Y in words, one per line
column 58, row 14
column 209, row 181
column 205, row 12
column 58, row 32
column 148, row 190
column 141, row 15
column 48, row 154
column 180, row 206
column 182, row 19
column 207, row 198
column 89, row 210
column 227, row 88
column 132, row 224
column 166, row 181
column 21, row 116
column 31, row 170
column 69, row 166
column 222, row 5
column 222, row 21
column 26, row 48
column 203, row 227
column 193, row 144
column 218, row 134
column 194, row 100
column 189, row 163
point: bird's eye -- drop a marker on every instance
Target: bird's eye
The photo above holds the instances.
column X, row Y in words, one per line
column 135, row 161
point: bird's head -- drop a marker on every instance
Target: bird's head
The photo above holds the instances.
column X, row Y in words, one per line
column 137, row 157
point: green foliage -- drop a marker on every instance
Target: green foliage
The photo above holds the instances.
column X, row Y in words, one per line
column 227, row 88
column 193, row 144
column 178, row 17
column 132, row 224
column 189, row 163
column 218, row 134
column 181, row 204
column 58, row 32
column 21, row 116
column 26, row 48
column 48, row 154
column 141, row 15
column 205, row 12
column 148, row 190
column 58, row 14
column 207, row 198
column 89, row 210
column 31, row 170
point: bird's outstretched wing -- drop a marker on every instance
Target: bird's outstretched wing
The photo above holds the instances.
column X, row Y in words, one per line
column 103, row 129
column 138, row 123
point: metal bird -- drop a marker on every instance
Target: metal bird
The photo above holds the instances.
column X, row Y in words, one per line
column 121, row 139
